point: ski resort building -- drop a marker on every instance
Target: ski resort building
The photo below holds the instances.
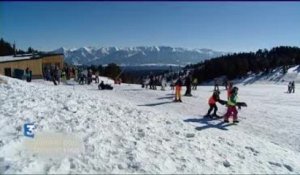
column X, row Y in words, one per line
column 14, row 66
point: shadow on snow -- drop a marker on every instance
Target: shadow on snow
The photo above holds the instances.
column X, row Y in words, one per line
column 168, row 97
column 208, row 123
column 156, row 104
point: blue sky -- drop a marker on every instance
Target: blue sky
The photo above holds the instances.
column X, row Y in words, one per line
column 223, row 26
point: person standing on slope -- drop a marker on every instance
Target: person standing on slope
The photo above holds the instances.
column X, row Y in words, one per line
column 172, row 84
column 231, row 106
column 151, row 82
column 225, row 83
column 195, row 83
column 27, row 75
column 63, row 76
column 188, row 83
column 59, row 73
column 229, row 89
column 178, row 86
column 163, row 83
column 53, row 73
column 290, row 87
column 216, row 88
column 293, row 87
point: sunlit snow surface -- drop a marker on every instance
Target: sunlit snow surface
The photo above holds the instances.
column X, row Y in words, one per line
column 135, row 130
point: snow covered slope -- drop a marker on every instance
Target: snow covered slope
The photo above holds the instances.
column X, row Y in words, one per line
column 276, row 76
column 134, row 130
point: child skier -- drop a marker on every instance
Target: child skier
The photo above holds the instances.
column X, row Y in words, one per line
column 231, row 106
column 212, row 104
column 178, row 86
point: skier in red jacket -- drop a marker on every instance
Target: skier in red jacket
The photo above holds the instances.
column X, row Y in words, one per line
column 212, row 104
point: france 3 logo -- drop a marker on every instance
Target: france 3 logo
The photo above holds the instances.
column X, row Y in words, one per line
column 29, row 129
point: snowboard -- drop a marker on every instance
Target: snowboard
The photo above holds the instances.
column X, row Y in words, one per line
column 239, row 104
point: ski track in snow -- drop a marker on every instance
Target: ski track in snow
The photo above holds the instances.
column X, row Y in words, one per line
column 135, row 130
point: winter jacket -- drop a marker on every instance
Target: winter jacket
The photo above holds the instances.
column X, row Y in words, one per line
column 232, row 100
column 195, row 81
column 188, row 81
column 229, row 92
column 178, row 82
column 213, row 99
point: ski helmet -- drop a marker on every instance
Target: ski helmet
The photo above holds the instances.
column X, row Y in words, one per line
column 235, row 89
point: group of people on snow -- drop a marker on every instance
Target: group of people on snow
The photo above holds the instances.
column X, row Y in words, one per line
column 231, row 103
column 153, row 81
column 87, row 77
column 57, row 75
column 175, row 83
column 186, row 80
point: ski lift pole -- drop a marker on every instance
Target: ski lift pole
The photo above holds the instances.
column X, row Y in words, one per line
column 120, row 74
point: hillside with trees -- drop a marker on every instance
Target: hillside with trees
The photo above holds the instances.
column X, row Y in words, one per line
column 7, row 48
column 238, row 65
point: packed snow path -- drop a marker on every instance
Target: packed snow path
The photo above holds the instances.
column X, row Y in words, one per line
column 134, row 130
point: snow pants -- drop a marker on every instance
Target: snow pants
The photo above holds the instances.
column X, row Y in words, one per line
column 178, row 93
column 212, row 107
column 54, row 80
column 231, row 110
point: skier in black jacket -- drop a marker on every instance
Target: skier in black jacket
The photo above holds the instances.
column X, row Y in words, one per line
column 188, row 83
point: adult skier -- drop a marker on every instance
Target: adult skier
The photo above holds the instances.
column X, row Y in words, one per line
column 89, row 77
column 59, row 73
column 216, row 88
column 63, row 76
column 293, row 86
column 163, row 83
column 53, row 73
column 195, row 83
column 28, row 74
column 172, row 84
column 188, row 83
column 178, row 86
column 290, row 87
column 81, row 78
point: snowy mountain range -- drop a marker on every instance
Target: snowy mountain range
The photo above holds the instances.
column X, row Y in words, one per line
column 136, row 56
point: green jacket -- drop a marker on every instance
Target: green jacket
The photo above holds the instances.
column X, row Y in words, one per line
column 232, row 100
